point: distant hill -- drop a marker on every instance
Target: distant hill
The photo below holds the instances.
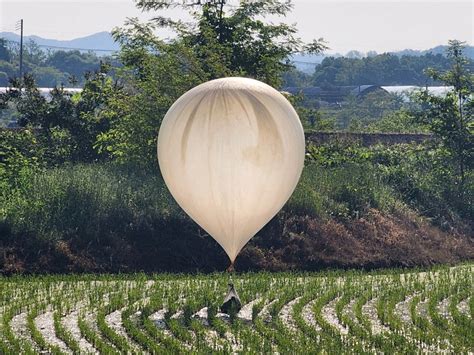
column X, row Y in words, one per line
column 101, row 42
column 468, row 51
column 306, row 62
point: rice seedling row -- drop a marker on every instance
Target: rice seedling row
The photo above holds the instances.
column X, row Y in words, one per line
column 388, row 311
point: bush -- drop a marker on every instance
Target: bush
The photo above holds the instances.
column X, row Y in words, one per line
column 20, row 158
column 90, row 201
column 420, row 176
column 343, row 191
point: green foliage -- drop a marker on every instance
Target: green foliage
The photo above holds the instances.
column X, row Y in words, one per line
column 377, row 111
column 357, row 113
column 4, row 52
column 211, row 313
column 341, row 192
column 93, row 202
column 451, row 117
column 187, row 315
column 293, row 77
column 21, row 154
column 135, row 113
column 49, row 68
column 7, row 71
column 49, row 76
column 220, row 41
column 401, row 121
column 236, row 40
column 382, row 69
column 310, row 117
column 73, row 63
column 67, row 124
column 418, row 175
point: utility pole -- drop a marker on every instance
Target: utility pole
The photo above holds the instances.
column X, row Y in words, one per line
column 21, row 49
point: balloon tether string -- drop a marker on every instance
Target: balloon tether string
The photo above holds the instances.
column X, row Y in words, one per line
column 230, row 269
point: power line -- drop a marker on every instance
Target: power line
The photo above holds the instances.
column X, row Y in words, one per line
column 70, row 48
column 76, row 48
column 8, row 29
column 116, row 50
column 79, row 49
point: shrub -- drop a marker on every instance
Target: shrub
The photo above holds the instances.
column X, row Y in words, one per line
column 90, row 201
column 341, row 191
column 116, row 215
column 420, row 176
column 20, row 152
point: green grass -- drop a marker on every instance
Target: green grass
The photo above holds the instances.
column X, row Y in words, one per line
column 341, row 192
column 97, row 201
column 108, row 217
column 88, row 200
column 339, row 181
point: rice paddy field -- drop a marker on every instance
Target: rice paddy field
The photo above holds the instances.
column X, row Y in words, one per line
column 334, row 312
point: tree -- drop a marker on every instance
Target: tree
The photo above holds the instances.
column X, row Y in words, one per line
column 381, row 69
column 220, row 41
column 73, row 62
column 4, row 52
column 48, row 76
column 33, row 54
column 450, row 117
column 236, row 40
column 9, row 69
column 296, row 78
column 67, row 123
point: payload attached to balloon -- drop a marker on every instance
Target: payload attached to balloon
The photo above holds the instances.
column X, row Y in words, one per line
column 231, row 152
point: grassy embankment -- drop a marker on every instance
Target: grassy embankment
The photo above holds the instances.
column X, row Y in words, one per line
column 354, row 207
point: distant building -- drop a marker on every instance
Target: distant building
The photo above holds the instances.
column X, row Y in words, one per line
column 333, row 94
column 337, row 94
column 406, row 91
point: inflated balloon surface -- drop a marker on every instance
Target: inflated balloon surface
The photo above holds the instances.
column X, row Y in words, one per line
column 231, row 152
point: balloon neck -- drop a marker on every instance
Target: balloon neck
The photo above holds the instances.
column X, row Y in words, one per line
column 231, row 267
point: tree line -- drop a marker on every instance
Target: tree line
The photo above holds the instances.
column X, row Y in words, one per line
column 382, row 69
column 67, row 67
column 49, row 68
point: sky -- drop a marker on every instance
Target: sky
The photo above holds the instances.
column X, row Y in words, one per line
column 379, row 25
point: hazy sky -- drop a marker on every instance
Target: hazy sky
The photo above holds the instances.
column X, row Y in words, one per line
column 381, row 25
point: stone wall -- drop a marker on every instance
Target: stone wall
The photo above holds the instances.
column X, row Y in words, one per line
column 367, row 139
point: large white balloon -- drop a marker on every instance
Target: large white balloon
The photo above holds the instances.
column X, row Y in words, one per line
column 231, row 152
